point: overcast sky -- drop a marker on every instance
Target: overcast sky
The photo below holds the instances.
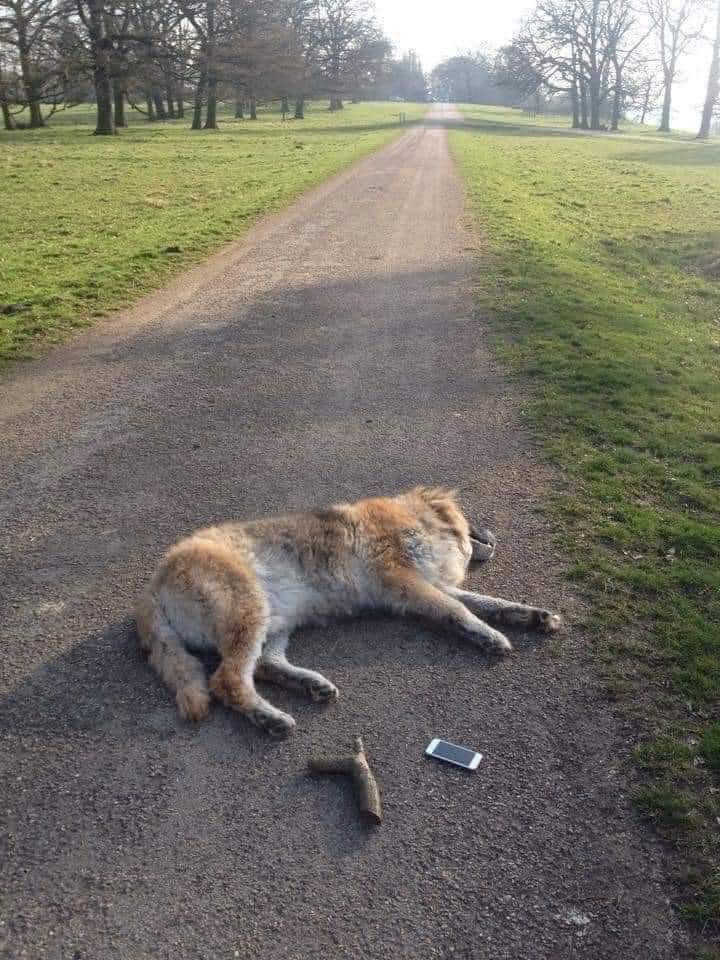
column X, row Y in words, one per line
column 437, row 29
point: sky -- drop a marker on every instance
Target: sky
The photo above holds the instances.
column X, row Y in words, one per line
column 437, row 29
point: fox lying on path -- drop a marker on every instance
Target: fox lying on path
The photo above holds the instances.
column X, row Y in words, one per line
column 240, row 589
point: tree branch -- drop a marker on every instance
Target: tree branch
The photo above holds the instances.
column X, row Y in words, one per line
column 356, row 766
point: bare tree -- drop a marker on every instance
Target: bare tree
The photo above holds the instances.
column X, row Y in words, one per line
column 558, row 52
column 643, row 87
column 586, row 50
column 201, row 14
column 27, row 26
column 624, row 39
column 7, row 96
column 150, row 63
column 713, row 86
column 148, row 52
column 678, row 24
column 300, row 16
column 350, row 46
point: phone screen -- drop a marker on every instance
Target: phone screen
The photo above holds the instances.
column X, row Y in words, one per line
column 449, row 751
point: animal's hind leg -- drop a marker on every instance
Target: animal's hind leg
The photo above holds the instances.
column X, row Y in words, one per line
column 166, row 653
column 234, row 680
column 506, row 611
column 214, row 593
column 274, row 667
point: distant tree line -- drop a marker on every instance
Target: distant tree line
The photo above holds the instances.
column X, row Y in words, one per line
column 163, row 57
column 473, row 78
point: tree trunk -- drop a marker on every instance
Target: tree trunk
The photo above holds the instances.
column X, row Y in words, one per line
column 100, row 50
column 8, row 121
column 300, row 108
column 575, row 104
column 583, row 106
column 103, row 91
column 199, row 98
column 29, row 78
column 617, row 98
column 713, row 87
column 239, row 102
column 253, row 107
column 667, row 104
column 170, row 97
column 212, row 77
column 32, row 94
column 646, row 102
column 595, row 103
column 36, row 117
column 574, row 97
column 160, row 111
column 211, row 113
column 180, row 102
column 150, row 108
column 119, row 105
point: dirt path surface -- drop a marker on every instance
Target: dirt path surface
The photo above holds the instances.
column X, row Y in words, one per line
column 332, row 354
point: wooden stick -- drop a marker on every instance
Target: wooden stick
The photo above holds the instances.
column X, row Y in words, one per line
column 358, row 768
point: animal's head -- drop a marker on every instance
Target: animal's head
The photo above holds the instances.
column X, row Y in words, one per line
column 440, row 508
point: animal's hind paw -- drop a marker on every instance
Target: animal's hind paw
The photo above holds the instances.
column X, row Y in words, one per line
column 549, row 622
column 274, row 722
column 192, row 703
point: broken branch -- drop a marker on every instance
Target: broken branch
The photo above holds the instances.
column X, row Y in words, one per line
column 357, row 766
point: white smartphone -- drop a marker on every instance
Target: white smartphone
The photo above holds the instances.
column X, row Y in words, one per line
column 451, row 753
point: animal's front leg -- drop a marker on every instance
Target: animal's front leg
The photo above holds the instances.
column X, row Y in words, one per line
column 408, row 592
column 506, row 611
column 274, row 667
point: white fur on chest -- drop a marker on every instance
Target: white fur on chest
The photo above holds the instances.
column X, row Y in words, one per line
column 293, row 599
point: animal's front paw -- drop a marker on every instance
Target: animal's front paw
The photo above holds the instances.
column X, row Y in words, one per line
column 549, row 622
column 274, row 722
column 322, row 691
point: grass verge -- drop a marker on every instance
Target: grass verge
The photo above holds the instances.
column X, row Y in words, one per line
column 603, row 278
column 91, row 223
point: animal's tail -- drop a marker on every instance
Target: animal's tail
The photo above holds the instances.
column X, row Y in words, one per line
column 167, row 654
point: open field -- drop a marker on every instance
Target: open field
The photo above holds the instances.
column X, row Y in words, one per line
column 92, row 223
column 603, row 275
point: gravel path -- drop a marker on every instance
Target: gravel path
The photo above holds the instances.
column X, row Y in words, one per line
column 333, row 353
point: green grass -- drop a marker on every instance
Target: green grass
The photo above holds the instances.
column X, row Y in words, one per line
column 91, row 223
column 602, row 279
